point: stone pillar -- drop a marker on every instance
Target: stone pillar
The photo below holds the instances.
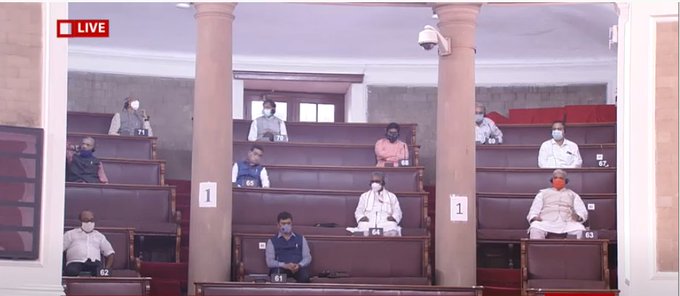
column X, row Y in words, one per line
column 455, row 243
column 210, row 235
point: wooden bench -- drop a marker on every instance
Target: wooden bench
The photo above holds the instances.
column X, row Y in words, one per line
column 87, row 122
column 531, row 180
column 579, row 133
column 106, row 286
column 527, row 155
column 316, row 154
column 122, row 241
column 310, row 207
column 502, row 218
column 150, row 210
column 564, row 264
column 337, row 132
column 408, row 179
column 367, row 260
column 572, row 292
column 231, row 288
column 129, row 171
column 126, row 147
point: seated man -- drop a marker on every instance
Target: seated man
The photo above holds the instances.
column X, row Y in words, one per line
column 559, row 152
column 249, row 172
column 390, row 150
column 82, row 165
column 129, row 121
column 84, row 246
column 378, row 208
column 268, row 127
column 557, row 210
column 486, row 131
column 288, row 252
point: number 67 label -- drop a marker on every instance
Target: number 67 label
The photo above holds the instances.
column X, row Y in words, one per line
column 459, row 208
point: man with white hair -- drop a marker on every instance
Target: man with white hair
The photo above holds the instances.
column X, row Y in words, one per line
column 486, row 131
column 557, row 210
column 378, row 208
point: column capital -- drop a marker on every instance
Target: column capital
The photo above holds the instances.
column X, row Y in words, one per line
column 211, row 9
column 458, row 22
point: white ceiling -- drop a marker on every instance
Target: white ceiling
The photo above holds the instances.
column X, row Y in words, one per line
column 554, row 32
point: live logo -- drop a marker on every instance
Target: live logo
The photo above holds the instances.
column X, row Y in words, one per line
column 82, row 28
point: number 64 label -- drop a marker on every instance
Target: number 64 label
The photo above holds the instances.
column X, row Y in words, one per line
column 459, row 208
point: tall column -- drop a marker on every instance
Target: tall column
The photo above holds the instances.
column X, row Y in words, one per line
column 455, row 243
column 210, row 236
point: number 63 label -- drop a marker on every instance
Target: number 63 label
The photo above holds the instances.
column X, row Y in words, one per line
column 459, row 208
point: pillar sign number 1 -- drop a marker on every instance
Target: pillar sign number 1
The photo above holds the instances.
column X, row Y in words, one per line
column 459, row 208
column 207, row 195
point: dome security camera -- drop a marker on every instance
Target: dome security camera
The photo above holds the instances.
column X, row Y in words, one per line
column 429, row 37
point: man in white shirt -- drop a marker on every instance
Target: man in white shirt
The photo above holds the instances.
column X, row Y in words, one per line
column 84, row 247
column 249, row 172
column 378, row 208
column 486, row 131
column 559, row 152
column 268, row 127
column 557, row 210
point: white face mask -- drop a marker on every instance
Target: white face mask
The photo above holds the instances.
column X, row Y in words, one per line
column 557, row 135
column 134, row 104
column 87, row 226
column 376, row 186
column 479, row 118
column 267, row 112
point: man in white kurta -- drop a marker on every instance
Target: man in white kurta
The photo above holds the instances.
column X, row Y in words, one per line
column 378, row 208
column 559, row 152
column 557, row 209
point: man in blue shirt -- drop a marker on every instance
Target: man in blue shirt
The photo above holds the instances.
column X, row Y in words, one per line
column 288, row 252
column 249, row 172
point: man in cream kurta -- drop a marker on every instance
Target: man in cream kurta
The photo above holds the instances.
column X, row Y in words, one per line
column 378, row 208
column 557, row 209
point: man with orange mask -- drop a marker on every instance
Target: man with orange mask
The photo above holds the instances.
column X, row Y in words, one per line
column 557, row 210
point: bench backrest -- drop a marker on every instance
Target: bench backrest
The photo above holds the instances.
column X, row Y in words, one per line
column 535, row 134
column 315, row 154
column 407, row 179
column 231, row 288
column 527, row 156
column 85, row 122
column 529, row 180
column 126, row 147
column 140, row 207
column 311, row 208
column 121, row 171
column 572, row 292
column 358, row 256
column 91, row 286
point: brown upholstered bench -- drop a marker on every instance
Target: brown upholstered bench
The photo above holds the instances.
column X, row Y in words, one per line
column 367, row 260
column 564, row 264
column 91, row 286
column 337, row 132
column 150, row 210
column 571, row 292
column 503, row 218
column 126, row 147
column 87, row 122
column 142, row 172
column 580, row 133
column 122, row 241
column 531, row 180
column 527, row 155
column 231, row 288
column 317, row 153
column 408, row 179
column 311, row 207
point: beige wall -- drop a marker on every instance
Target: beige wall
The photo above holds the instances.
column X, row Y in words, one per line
column 20, row 64
column 667, row 145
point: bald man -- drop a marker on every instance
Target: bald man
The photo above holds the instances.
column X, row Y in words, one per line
column 84, row 246
column 557, row 209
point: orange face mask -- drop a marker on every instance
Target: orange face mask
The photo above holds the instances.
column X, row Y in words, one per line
column 558, row 183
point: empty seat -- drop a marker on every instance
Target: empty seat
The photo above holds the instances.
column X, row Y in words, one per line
column 527, row 155
column 86, row 122
column 142, row 172
column 92, row 286
column 126, row 147
column 531, row 180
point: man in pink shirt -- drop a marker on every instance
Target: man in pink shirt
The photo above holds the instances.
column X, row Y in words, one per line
column 390, row 151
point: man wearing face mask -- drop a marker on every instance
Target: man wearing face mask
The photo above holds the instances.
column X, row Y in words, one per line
column 559, row 152
column 288, row 252
column 130, row 120
column 82, row 165
column 378, row 208
column 390, row 150
column 84, row 247
column 249, row 172
column 557, row 210
column 268, row 127
column 486, row 131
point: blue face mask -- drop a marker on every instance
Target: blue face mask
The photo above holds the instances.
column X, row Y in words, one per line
column 86, row 153
column 287, row 229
